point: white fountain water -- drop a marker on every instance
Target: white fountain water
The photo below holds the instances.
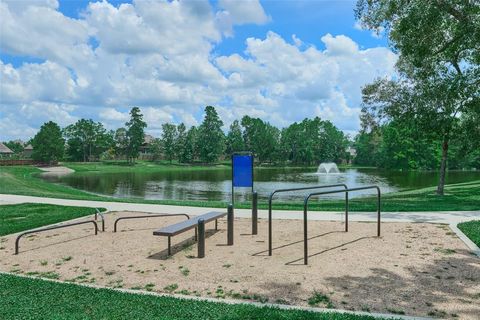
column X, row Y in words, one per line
column 327, row 167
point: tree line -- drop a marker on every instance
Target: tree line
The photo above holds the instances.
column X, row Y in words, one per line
column 304, row 143
column 402, row 145
column 87, row 140
column 308, row 142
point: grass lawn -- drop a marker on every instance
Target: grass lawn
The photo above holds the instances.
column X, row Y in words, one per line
column 471, row 230
column 20, row 217
column 24, row 181
column 25, row 298
column 141, row 166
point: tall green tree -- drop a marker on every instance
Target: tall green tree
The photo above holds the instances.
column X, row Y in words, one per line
column 156, row 148
column 180, row 141
column 261, row 138
column 438, row 43
column 366, row 145
column 169, row 138
column 234, row 140
column 333, row 143
column 313, row 141
column 48, row 144
column 135, row 134
column 465, row 151
column 211, row 139
column 120, row 142
column 87, row 139
column 403, row 147
column 190, row 151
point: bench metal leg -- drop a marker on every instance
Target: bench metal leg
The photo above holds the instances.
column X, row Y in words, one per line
column 230, row 225
column 216, row 225
column 201, row 238
column 169, row 246
column 255, row 213
column 196, row 234
column 346, row 211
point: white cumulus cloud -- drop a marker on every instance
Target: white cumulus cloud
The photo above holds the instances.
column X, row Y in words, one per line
column 161, row 57
column 238, row 13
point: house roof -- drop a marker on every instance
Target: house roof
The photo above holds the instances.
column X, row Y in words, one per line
column 147, row 139
column 29, row 147
column 4, row 149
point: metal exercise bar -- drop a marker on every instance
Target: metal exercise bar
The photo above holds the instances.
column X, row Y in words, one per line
column 305, row 211
column 148, row 216
column 230, row 225
column 254, row 212
column 270, row 199
column 101, row 216
column 52, row 228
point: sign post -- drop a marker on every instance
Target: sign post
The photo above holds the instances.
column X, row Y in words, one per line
column 242, row 171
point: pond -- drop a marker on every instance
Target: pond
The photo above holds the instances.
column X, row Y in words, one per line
column 215, row 185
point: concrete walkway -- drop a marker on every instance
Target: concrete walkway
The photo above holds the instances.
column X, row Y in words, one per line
column 447, row 217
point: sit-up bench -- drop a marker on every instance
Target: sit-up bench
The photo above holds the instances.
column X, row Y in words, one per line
column 198, row 223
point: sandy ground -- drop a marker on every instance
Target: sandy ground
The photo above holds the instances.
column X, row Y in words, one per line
column 414, row 268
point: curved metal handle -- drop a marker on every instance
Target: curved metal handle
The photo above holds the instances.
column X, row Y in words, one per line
column 148, row 216
column 17, row 241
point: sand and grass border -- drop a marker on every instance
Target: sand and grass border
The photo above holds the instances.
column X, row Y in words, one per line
column 276, row 305
column 223, row 301
column 464, row 237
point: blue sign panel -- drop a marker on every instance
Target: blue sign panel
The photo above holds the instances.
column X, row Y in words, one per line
column 242, row 170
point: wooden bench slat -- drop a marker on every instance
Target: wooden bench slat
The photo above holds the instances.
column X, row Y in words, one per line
column 182, row 226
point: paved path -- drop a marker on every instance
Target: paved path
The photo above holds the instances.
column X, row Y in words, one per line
column 448, row 217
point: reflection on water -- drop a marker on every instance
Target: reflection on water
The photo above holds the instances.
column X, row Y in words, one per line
column 216, row 184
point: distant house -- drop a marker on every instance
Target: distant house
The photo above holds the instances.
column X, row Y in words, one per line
column 145, row 149
column 27, row 151
column 5, row 151
column 352, row 152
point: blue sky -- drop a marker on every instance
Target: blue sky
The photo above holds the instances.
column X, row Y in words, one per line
column 278, row 60
column 307, row 20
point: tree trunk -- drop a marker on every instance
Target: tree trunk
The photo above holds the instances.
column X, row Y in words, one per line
column 443, row 166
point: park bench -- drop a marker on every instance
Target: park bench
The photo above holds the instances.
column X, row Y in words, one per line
column 197, row 223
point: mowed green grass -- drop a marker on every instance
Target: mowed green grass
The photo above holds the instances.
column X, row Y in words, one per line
column 24, row 181
column 26, row 298
column 472, row 230
column 140, row 166
column 25, row 216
